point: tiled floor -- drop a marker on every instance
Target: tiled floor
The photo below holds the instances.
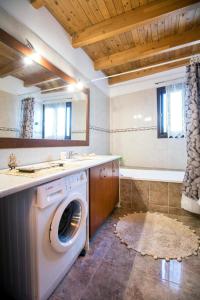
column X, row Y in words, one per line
column 112, row 272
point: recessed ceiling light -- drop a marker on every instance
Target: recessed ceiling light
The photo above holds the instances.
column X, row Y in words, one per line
column 80, row 85
column 35, row 56
column 28, row 60
column 71, row 87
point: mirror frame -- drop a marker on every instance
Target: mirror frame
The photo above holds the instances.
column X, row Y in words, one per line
column 10, row 41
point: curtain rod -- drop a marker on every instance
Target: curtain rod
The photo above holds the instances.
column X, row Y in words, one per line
column 169, row 80
column 143, row 68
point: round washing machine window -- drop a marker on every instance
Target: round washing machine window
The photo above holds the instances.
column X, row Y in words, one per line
column 68, row 220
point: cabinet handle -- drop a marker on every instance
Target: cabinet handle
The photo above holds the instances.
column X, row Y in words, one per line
column 100, row 173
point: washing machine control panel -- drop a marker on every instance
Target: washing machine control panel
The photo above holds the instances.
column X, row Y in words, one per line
column 76, row 179
column 54, row 191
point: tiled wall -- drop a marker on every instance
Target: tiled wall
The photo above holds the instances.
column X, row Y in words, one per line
column 134, row 133
column 141, row 195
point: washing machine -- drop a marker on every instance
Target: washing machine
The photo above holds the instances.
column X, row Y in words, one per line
column 60, row 216
column 50, row 233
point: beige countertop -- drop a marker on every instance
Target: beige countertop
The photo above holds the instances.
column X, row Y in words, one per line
column 10, row 184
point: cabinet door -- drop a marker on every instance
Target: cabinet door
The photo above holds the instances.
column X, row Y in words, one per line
column 108, row 192
column 104, row 193
column 115, row 182
column 97, row 198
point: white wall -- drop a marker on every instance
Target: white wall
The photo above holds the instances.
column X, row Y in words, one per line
column 147, row 82
column 9, row 115
column 79, row 109
column 136, row 115
column 57, row 49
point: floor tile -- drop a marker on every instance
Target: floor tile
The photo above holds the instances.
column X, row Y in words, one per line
column 110, row 271
column 142, row 287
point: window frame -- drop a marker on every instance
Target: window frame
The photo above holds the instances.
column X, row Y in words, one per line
column 160, row 116
column 68, row 104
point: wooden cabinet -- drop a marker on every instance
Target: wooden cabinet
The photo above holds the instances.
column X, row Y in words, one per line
column 104, row 193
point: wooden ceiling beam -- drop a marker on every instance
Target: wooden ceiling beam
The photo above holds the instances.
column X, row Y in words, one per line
column 40, row 79
column 10, row 68
column 187, row 52
column 149, row 71
column 37, row 3
column 53, row 89
column 130, row 20
column 170, row 43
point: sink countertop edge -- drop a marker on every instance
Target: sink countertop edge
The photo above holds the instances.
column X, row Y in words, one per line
column 20, row 183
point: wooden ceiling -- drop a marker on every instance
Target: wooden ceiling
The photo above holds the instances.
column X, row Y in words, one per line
column 12, row 63
column 127, row 35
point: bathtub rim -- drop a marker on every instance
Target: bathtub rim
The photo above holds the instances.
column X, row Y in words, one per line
column 160, row 179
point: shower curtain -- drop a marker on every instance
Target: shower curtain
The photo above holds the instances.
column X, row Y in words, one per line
column 27, row 119
column 191, row 184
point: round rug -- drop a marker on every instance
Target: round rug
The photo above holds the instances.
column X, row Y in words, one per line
column 157, row 235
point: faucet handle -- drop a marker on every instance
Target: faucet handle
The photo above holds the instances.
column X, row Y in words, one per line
column 72, row 153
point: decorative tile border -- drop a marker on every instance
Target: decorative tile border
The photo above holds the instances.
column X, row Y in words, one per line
column 78, row 131
column 96, row 128
column 92, row 127
column 9, row 129
column 133, row 129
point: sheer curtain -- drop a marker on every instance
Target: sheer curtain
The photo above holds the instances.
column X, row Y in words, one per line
column 175, row 110
column 55, row 121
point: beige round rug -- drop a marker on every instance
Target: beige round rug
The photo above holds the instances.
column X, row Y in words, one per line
column 157, row 235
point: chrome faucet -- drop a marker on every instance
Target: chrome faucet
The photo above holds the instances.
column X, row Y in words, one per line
column 71, row 154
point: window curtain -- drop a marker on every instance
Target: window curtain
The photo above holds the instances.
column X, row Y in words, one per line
column 55, row 120
column 175, row 110
column 192, row 108
column 27, row 119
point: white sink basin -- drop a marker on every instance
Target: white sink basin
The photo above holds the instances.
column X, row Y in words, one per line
column 80, row 158
column 59, row 164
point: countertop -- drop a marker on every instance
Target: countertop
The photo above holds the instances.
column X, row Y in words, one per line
column 10, row 184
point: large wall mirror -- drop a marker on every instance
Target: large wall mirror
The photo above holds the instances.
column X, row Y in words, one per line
column 40, row 106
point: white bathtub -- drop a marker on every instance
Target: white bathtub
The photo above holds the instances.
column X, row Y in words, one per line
column 152, row 175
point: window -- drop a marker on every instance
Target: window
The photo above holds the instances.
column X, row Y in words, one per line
column 57, row 120
column 170, row 111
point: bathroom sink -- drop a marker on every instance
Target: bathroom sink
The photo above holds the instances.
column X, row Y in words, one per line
column 44, row 169
column 38, row 167
column 45, row 166
column 57, row 165
column 80, row 158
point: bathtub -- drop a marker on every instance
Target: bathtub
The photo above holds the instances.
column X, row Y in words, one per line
column 151, row 190
column 152, row 175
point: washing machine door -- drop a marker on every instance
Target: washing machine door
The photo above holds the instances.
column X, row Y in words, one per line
column 68, row 220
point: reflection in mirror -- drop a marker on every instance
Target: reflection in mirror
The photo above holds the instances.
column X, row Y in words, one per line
column 34, row 103
column 64, row 116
